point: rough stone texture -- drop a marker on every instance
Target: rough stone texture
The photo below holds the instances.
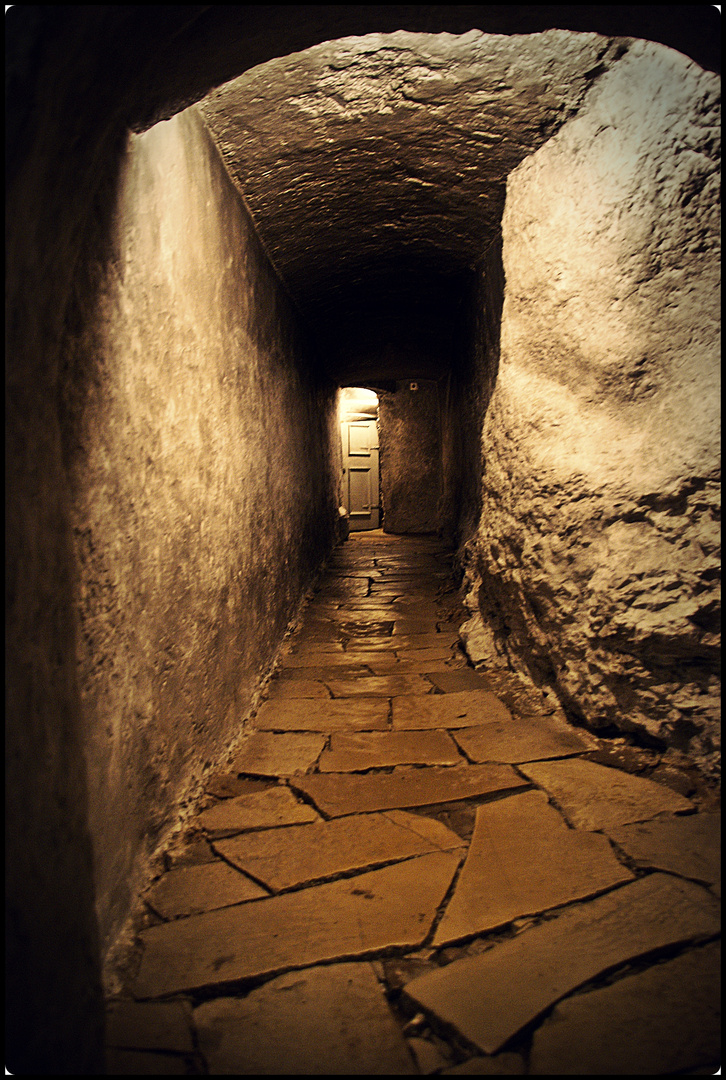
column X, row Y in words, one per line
column 378, row 686
column 342, row 793
column 488, row 998
column 284, row 858
column 595, row 566
column 616, row 1031
column 329, row 1021
column 373, row 749
column 522, row 860
column 410, row 439
column 193, row 889
column 78, row 79
column 339, row 920
column 426, row 114
column 690, row 846
column 595, row 797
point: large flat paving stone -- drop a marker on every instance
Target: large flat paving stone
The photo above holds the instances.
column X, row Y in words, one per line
column 285, row 858
column 449, row 682
column 365, row 714
column 359, row 750
column 337, row 794
column 595, row 797
column 392, row 907
column 260, row 810
column 522, row 860
column 323, row 1021
column 656, row 1022
column 319, row 659
column 193, row 889
column 265, row 753
column 689, row 846
column 521, row 739
column 466, row 708
column 441, row 652
column 390, row 665
column 379, row 686
column 300, row 688
column 490, row 997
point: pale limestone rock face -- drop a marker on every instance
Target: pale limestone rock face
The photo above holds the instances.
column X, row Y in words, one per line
column 597, row 545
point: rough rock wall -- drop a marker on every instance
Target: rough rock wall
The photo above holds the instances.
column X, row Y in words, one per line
column 596, row 562
column 198, row 451
column 409, row 429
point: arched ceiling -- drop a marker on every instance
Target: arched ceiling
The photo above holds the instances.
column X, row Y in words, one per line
column 375, row 167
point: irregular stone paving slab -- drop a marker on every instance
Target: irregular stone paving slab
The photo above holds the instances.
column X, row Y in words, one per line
column 283, row 858
column 499, row 1065
column 689, row 846
column 315, row 645
column 424, row 654
column 260, row 810
column 377, row 749
column 656, row 1022
column 466, row 679
column 317, row 659
column 393, row 907
column 319, row 1022
column 522, row 860
column 353, row 667
column 301, row 688
column 595, row 797
column 267, row 754
column 349, row 793
column 468, row 708
column 488, row 998
column 365, row 714
column 518, row 739
column 227, row 785
column 150, row 1025
column 389, row 665
column 143, row 1063
column 379, row 686
column 193, row 889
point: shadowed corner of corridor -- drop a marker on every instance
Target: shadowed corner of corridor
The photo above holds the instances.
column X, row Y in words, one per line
column 355, row 355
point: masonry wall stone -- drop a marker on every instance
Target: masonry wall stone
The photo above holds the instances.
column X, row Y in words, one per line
column 596, row 553
column 409, row 425
column 198, row 448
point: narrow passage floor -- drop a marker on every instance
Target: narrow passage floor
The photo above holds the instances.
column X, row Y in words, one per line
column 411, row 867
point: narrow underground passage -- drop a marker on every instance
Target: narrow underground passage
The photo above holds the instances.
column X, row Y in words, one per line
column 484, row 233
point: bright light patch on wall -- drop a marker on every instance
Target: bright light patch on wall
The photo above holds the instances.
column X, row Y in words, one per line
column 356, row 401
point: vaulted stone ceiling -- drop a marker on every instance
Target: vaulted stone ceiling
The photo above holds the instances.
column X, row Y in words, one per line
column 375, row 169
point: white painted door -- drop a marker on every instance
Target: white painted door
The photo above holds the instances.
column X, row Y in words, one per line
column 360, row 473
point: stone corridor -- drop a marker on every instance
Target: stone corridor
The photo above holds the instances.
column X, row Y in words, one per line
column 408, row 866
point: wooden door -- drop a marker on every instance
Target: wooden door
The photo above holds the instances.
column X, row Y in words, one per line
column 360, row 473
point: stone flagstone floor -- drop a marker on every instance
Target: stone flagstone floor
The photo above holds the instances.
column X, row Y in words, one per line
column 411, row 867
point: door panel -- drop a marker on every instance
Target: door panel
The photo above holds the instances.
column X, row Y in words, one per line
column 360, row 473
